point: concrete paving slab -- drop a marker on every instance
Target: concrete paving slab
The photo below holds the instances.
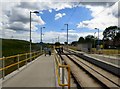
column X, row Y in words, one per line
column 39, row 74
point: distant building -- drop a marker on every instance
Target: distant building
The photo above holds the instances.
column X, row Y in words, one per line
column 86, row 47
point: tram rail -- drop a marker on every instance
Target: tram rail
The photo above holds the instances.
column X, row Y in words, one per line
column 94, row 76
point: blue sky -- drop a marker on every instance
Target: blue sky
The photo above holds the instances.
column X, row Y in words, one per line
column 82, row 17
column 73, row 17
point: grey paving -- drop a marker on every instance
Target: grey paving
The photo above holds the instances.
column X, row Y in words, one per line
column 39, row 74
column 111, row 59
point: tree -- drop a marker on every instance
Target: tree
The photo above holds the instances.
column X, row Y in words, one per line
column 89, row 38
column 65, row 43
column 111, row 33
column 74, row 43
column 81, row 40
column 117, row 39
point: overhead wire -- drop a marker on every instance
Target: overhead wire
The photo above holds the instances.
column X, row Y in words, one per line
column 70, row 15
column 104, row 9
column 94, row 15
column 91, row 17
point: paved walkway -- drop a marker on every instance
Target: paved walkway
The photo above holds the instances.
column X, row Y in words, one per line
column 39, row 74
column 106, row 58
column 110, row 59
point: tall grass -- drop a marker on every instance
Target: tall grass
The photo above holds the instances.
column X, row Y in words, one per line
column 14, row 47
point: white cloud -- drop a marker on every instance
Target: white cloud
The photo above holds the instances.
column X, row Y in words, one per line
column 41, row 12
column 102, row 17
column 72, row 36
column 39, row 5
column 50, row 11
column 16, row 13
column 14, row 19
column 18, row 18
column 71, row 30
column 53, row 35
column 95, row 9
column 15, row 16
column 59, row 6
column 59, row 15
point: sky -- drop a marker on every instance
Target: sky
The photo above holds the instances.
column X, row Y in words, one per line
column 81, row 16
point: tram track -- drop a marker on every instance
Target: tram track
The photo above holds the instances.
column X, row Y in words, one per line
column 96, row 76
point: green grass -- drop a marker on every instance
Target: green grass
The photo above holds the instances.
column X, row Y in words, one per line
column 107, row 51
column 14, row 47
column 102, row 51
column 73, row 47
column 10, row 47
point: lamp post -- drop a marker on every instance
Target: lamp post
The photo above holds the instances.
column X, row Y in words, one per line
column 98, row 37
column 58, row 38
column 41, row 38
column 94, row 42
column 30, row 30
column 94, row 39
column 52, row 41
column 67, row 34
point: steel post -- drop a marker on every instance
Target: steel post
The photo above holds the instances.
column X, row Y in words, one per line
column 18, row 61
column 3, row 66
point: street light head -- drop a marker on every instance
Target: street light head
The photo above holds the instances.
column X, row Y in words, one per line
column 96, row 28
column 36, row 12
column 43, row 27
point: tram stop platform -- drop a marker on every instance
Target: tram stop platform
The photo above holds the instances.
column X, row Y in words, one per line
column 40, row 73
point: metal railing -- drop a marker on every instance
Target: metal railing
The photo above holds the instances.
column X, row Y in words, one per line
column 59, row 65
column 12, row 63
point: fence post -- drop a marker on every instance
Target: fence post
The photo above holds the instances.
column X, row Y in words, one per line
column 62, row 74
column 39, row 53
column 68, row 77
column 26, row 58
column 30, row 57
column 3, row 66
column 34, row 55
column 18, row 59
column 58, row 65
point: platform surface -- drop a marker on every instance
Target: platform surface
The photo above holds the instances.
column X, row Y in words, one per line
column 41, row 73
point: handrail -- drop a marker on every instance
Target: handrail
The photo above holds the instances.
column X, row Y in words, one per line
column 18, row 62
column 17, row 55
column 58, row 66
